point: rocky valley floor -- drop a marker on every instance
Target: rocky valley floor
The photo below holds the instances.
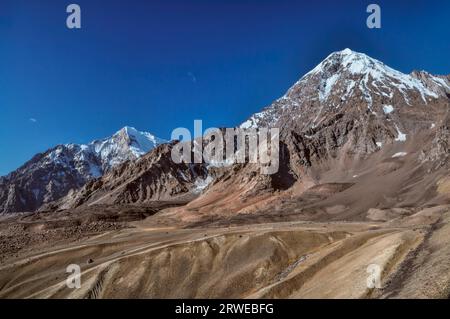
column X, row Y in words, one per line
column 281, row 259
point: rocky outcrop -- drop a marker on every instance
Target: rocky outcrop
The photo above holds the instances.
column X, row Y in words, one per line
column 151, row 178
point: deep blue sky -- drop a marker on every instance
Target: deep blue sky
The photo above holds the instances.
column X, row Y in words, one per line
column 158, row 65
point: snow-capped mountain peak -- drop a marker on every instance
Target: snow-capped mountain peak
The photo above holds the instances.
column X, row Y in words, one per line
column 346, row 78
column 51, row 175
column 127, row 143
column 139, row 142
column 97, row 157
column 350, row 65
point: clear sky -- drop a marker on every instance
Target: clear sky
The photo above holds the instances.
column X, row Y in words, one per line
column 158, row 65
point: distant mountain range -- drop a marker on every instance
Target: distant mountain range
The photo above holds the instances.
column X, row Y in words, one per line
column 50, row 175
column 350, row 109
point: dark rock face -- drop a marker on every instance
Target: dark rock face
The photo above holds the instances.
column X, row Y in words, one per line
column 42, row 180
column 438, row 151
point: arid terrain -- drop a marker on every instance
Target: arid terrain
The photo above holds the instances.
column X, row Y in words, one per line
column 295, row 259
column 362, row 193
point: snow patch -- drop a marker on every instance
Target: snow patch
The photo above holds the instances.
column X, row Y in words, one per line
column 399, row 154
column 201, row 184
column 441, row 82
column 388, row 109
column 327, row 86
column 247, row 124
column 401, row 136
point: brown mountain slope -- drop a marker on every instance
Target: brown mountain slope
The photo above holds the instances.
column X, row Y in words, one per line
column 374, row 133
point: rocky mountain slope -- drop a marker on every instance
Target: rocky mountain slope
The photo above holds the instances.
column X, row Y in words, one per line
column 50, row 175
column 346, row 109
column 355, row 103
column 363, row 184
column 350, row 109
column 351, row 116
column 153, row 177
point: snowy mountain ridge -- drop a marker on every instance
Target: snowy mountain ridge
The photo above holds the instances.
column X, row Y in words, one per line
column 99, row 156
column 50, row 175
column 347, row 74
